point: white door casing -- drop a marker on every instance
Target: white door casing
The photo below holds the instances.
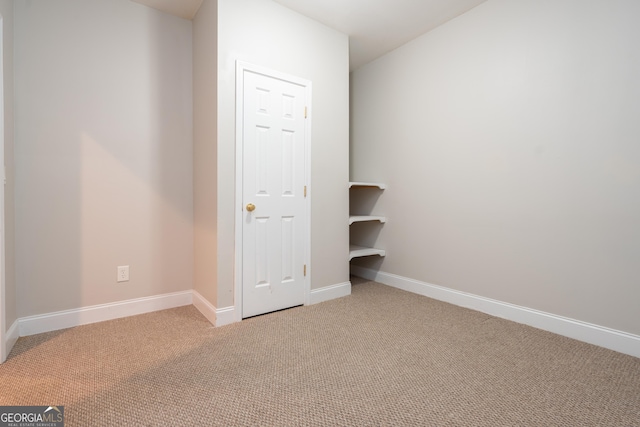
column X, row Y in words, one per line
column 273, row 148
column 3, row 302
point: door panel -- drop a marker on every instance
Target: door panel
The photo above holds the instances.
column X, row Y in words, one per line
column 273, row 181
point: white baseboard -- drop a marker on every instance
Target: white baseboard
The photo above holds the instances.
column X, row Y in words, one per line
column 12, row 336
column 217, row 316
column 612, row 339
column 225, row 316
column 99, row 313
column 204, row 307
column 330, row 292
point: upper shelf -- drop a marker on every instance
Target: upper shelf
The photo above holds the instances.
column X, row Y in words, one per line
column 367, row 184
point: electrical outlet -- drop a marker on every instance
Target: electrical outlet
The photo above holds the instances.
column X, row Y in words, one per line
column 123, row 273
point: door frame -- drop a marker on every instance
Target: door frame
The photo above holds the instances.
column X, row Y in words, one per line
column 241, row 68
column 3, row 295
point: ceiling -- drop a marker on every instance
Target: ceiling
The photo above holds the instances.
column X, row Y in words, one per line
column 374, row 27
column 183, row 8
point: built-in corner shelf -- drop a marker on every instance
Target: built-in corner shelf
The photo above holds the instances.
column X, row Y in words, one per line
column 356, row 251
column 367, row 184
column 363, row 218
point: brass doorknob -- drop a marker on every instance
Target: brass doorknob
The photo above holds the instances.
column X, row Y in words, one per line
column 251, row 207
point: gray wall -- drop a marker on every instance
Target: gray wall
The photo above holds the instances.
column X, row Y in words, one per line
column 103, row 156
column 205, row 150
column 509, row 141
column 6, row 10
column 267, row 34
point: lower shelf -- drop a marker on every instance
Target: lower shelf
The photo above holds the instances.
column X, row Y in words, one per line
column 360, row 251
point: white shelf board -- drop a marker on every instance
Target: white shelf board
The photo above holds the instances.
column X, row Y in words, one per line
column 363, row 218
column 367, row 184
column 360, row 251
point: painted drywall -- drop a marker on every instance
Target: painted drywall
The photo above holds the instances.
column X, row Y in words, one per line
column 509, row 141
column 103, row 153
column 10, row 312
column 183, row 8
column 205, row 156
column 264, row 33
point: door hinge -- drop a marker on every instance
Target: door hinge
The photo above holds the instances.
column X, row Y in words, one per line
column 305, row 270
column 305, row 112
column 305, row 191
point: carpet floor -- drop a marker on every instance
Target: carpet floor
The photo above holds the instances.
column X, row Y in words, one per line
column 380, row 357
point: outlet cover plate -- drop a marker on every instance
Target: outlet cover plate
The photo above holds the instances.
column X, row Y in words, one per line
column 123, row 273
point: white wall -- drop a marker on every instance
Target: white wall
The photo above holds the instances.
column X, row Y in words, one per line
column 509, row 140
column 205, row 155
column 103, row 153
column 266, row 34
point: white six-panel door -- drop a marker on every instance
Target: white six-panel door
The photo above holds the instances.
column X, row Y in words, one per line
column 273, row 192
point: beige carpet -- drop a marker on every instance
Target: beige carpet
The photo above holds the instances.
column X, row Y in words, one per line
column 381, row 357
